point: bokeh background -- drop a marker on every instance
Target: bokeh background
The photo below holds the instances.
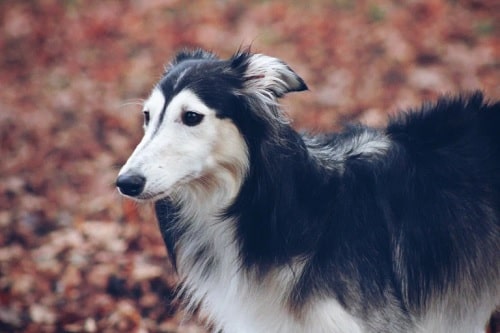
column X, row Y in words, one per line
column 74, row 256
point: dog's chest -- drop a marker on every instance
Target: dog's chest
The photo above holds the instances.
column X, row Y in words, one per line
column 253, row 308
column 238, row 302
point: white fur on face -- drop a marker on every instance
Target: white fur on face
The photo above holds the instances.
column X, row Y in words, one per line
column 172, row 155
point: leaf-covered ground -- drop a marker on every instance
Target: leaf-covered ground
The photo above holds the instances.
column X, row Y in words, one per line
column 74, row 256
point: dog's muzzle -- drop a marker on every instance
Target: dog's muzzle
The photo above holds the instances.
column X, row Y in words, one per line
column 131, row 183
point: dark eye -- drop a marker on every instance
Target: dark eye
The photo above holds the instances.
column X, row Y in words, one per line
column 191, row 118
column 146, row 117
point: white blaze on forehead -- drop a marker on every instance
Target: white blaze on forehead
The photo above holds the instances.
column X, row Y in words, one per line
column 155, row 102
column 154, row 105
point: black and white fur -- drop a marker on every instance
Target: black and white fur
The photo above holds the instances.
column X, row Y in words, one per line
column 393, row 230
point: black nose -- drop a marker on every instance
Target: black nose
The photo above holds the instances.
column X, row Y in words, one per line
column 130, row 183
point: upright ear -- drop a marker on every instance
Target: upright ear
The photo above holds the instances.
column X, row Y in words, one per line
column 264, row 74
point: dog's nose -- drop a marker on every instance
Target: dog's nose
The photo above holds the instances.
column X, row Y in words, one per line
column 130, row 183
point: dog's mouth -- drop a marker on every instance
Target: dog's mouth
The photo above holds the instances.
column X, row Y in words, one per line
column 145, row 197
column 152, row 197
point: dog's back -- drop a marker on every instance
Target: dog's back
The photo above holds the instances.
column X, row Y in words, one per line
column 447, row 218
column 414, row 241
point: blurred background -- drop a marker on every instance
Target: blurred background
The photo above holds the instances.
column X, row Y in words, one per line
column 74, row 256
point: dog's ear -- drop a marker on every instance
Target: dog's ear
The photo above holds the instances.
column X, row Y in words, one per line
column 264, row 74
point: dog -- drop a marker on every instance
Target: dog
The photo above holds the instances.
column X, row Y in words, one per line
column 366, row 230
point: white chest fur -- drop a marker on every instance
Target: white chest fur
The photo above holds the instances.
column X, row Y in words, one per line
column 241, row 306
column 239, row 302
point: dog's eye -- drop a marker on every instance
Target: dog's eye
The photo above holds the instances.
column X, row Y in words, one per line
column 191, row 118
column 146, row 117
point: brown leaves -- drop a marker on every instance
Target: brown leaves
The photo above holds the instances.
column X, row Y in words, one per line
column 76, row 257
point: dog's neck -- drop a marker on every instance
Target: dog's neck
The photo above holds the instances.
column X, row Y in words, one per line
column 193, row 214
column 274, row 223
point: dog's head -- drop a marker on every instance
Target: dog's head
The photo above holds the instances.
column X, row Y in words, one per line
column 198, row 120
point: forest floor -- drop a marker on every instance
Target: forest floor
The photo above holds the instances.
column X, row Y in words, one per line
column 74, row 255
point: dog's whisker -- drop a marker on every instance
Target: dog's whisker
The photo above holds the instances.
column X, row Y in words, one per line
column 135, row 102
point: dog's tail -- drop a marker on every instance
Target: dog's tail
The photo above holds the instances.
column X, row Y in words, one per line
column 461, row 124
column 455, row 138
